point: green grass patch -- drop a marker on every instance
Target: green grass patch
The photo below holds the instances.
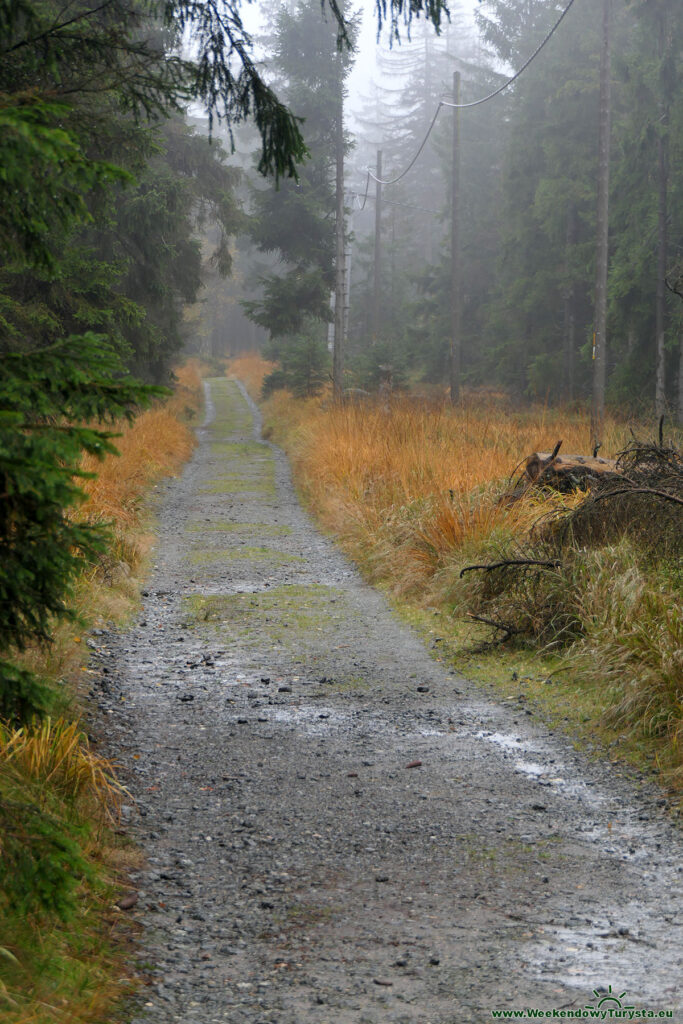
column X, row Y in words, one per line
column 232, row 415
column 61, row 955
column 292, row 611
column 241, row 529
column 233, row 483
column 252, row 450
column 237, row 554
column 545, row 684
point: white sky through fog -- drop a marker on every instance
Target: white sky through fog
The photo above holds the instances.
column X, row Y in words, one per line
column 363, row 71
column 360, row 79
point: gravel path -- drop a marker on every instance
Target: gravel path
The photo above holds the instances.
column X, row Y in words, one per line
column 337, row 827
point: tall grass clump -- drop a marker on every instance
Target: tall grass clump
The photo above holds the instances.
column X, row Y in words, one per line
column 410, row 489
column 155, row 445
column 416, row 493
column 252, row 370
column 59, row 934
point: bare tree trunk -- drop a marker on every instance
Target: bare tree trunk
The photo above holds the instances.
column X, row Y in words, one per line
column 456, row 289
column 662, row 242
column 339, row 260
column 569, row 311
column 377, row 282
column 602, row 240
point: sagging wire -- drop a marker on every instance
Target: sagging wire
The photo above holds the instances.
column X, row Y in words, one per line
column 474, row 103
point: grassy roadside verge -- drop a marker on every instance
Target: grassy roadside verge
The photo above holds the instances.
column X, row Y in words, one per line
column 63, row 940
column 595, row 644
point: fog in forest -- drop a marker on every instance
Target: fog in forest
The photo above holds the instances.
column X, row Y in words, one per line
column 520, row 304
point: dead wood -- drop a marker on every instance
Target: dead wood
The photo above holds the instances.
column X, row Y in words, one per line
column 516, row 562
column 567, row 472
column 639, row 490
column 504, row 627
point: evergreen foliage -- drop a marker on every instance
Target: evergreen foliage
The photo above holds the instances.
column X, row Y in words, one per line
column 303, row 363
column 296, row 219
column 44, row 396
column 528, row 185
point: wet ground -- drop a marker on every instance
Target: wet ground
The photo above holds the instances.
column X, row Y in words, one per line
column 337, row 827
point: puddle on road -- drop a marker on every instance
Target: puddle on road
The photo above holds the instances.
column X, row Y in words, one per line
column 552, row 774
column 315, row 721
column 619, row 954
column 535, row 771
column 504, row 740
column 616, row 947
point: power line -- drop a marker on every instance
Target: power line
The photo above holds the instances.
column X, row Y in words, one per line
column 365, row 197
column 506, row 85
column 392, row 181
column 476, row 103
column 390, row 202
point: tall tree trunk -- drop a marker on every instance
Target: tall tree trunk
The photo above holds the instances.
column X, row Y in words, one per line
column 602, row 240
column 377, row 282
column 662, row 241
column 569, row 310
column 456, row 287
column 428, row 223
column 339, row 260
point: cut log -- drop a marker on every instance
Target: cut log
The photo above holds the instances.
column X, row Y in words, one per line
column 567, row 472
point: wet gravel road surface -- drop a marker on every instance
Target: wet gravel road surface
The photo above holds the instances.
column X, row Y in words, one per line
column 337, row 827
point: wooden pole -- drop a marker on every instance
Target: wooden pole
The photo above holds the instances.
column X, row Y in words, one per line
column 377, row 281
column 455, row 344
column 340, row 260
column 602, row 239
column 569, row 300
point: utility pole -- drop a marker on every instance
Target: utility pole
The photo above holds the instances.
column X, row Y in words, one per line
column 602, row 240
column 378, row 251
column 569, row 314
column 339, row 259
column 456, row 289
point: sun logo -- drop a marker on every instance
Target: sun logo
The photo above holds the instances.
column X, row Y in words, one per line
column 609, row 999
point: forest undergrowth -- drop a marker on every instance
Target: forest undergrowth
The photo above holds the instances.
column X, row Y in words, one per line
column 63, row 940
column 591, row 635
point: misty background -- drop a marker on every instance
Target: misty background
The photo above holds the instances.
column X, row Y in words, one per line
column 528, row 183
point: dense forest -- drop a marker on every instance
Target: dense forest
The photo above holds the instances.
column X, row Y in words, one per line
column 528, row 178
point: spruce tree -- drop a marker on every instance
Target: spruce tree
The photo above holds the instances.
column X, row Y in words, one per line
column 295, row 219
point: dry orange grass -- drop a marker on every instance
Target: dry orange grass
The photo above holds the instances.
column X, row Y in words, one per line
column 250, row 368
column 58, row 755
column 156, row 444
column 412, row 489
column 413, row 493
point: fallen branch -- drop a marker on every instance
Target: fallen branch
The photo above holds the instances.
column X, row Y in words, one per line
column 510, row 630
column 543, row 563
column 638, row 490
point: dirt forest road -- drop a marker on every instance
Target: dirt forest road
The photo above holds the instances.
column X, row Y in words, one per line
column 338, row 828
